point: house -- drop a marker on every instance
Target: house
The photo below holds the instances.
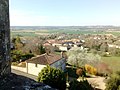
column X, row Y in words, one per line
column 64, row 48
column 46, row 44
column 51, row 41
column 36, row 64
column 69, row 43
column 58, row 43
column 113, row 46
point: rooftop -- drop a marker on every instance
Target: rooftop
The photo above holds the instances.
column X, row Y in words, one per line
column 45, row 59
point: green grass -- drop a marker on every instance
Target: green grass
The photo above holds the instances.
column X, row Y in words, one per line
column 113, row 62
column 74, row 31
column 67, row 31
column 79, row 32
column 30, row 34
column 58, row 53
column 115, row 33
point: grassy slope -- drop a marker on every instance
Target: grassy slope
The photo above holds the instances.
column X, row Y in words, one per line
column 113, row 62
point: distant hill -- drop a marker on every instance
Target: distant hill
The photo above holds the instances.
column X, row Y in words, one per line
column 65, row 28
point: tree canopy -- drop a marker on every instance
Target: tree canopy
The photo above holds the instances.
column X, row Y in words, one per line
column 79, row 57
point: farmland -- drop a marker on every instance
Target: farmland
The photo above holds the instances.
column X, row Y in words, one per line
column 33, row 33
column 113, row 62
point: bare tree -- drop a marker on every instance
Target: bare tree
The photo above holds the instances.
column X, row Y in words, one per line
column 79, row 57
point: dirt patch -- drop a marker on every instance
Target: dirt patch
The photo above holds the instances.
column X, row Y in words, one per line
column 97, row 82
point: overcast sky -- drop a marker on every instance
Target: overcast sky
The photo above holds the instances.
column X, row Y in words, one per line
column 64, row 12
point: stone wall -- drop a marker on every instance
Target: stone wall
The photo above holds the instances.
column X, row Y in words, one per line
column 4, row 38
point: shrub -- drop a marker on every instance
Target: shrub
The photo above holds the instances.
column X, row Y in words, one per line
column 82, row 85
column 81, row 72
column 105, row 54
column 72, row 72
column 18, row 55
column 113, row 82
column 90, row 69
column 41, row 49
column 27, row 56
column 53, row 77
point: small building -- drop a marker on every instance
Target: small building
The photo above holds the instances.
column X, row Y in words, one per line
column 36, row 64
column 46, row 44
column 57, row 44
column 69, row 43
column 64, row 48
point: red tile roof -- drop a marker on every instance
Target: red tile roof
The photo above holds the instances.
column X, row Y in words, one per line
column 44, row 59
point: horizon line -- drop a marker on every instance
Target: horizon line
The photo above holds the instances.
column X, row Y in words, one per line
column 61, row 25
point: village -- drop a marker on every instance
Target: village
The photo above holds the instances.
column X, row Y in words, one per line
column 59, row 45
column 55, row 53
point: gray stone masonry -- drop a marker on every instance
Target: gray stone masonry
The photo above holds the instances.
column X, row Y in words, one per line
column 5, row 62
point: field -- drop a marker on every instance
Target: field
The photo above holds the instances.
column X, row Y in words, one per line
column 28, row 33
column 113, row 62
column 71, row 31
column 33, row 33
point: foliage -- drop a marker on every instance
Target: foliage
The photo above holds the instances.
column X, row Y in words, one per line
column 79, row 57
column 90, row 69
column 27, row 56
column 17, row 42
column 72, row 72
column 41, row 49
column 104, row 47
column 82, row 85
column 104, row 54
column 53, row 77
column 81, row 72
column 114, row 51
column 96, row 47
column 17, row 55
column 114, row 82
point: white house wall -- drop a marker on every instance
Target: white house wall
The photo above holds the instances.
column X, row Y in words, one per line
column 56, row 44
column 62, row 48
column 32, row 69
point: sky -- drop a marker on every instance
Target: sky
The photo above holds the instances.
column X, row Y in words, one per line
column 64, row 12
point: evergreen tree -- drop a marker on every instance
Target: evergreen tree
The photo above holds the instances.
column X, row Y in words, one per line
column 41, row 49
column 53, row 77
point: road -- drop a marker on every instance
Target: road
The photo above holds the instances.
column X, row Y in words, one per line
column 24, row 74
